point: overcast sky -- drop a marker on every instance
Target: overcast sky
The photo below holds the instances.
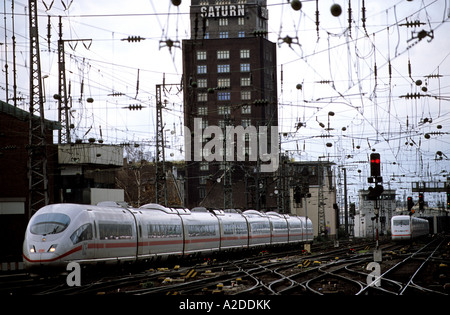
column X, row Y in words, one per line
column 335, row 68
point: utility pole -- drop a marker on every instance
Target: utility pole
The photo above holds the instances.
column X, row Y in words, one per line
column 161, row 180
column 63, row 98
column 37, row 146
column 345, row 202
column 63, row 108
column 228, row 166
column 321, row 200
column 161, row 183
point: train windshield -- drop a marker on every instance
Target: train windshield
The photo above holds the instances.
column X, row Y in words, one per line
column 401, row 222
column 49, row 223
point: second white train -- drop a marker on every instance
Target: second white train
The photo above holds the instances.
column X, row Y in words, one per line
column 405, row 227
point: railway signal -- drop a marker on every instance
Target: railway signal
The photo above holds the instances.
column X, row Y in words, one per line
column 375, row 165
column 375, row 192
column 410, row 203
column 421, row 202
column 375, row 168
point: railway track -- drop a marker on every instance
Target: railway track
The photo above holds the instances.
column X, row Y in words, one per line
column 405, row 269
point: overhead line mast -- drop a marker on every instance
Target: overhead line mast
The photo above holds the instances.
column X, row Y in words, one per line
column 37, row 146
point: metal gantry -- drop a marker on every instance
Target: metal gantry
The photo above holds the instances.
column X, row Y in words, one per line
column 37, row 146
column 63, row 104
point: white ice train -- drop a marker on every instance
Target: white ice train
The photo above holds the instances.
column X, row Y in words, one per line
column 405, row 227
column 107, row 233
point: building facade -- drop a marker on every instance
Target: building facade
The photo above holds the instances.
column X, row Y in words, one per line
column 14, row 181
column 315, row 180
column 229, row 73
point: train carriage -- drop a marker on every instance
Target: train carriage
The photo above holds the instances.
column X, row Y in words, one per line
column 233, row 230
column 295, row 229
column 259, row 228
column 405, row 227
column 116, row 237
column 161, row 232
column 279, row 228
column 201, row 232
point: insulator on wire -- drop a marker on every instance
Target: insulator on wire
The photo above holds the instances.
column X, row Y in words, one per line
column 134, row 107
column 133, row 39
column 413, row 95
column 416, row 23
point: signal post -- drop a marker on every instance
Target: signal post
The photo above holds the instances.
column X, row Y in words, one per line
column 375, row 193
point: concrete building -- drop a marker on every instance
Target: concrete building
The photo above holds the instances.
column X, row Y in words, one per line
column 87, row 172
column 320, row 206
column 365, row 223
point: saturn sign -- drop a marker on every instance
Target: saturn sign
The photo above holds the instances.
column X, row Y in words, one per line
column 218, row 11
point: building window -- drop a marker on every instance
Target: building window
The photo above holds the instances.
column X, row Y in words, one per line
column 201, row 69
column 245, row 82
column 202, row 97
column 202, row 83
column 201, row 192
column 204, row 166
column 223, row 22
column 246, row 95
column 223, row 96
column 241, row 21
column 202, row 110
column 245, row 67
column 223, row 82
column 246, row 109
column 202, row 180
column 245, row 53
column 223, row 68
column 224, row 110
column 204, row 123
column 241, row 34
column 223, row 34
column 223, row 54
column 201, row 55
column 246, row 122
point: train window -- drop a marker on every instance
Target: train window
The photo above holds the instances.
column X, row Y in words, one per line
column 201, row 230
column 228, row 229
column 83, row 233
column 401, row 222
column 113, row 231
column 260, row 228
column 234, row 228
column 163, row 230
column 49, row 223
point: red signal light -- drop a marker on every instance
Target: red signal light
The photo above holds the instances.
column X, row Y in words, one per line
column 375, row 162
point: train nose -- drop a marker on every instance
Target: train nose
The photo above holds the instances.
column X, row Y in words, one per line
column 42, row 248
column 40, row 253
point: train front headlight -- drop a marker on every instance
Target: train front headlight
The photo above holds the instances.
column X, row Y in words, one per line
column 52, row 248
column 32, row 249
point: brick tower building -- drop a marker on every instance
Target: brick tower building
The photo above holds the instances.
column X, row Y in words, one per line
column 229, row 70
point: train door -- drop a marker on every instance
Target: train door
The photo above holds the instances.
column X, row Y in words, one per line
column 90, row 247
column 84, row 238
